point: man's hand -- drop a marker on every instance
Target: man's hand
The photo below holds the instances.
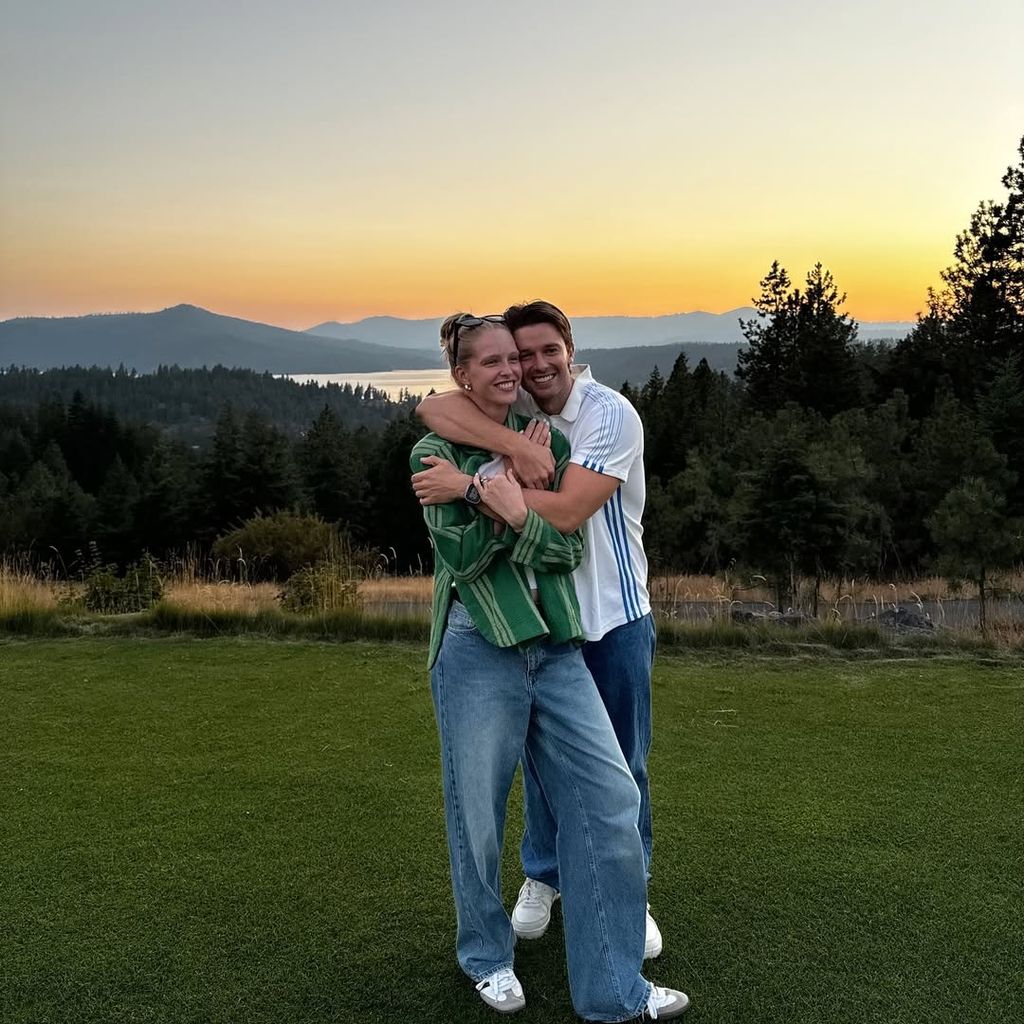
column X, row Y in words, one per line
column 504, row 495
column 532, row 460
column 439, row 484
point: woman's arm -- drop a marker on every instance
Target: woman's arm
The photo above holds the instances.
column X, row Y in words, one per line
column 533, row 541
column 463, row 538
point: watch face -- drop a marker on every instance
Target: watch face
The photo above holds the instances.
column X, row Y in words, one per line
column 472, row 495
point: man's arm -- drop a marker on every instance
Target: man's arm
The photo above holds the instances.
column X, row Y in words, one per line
column 456, row 418
column 608, row 440
column 580, row 494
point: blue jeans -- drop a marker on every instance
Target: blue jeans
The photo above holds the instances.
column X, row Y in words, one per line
column 621, row 663
column 538, row 702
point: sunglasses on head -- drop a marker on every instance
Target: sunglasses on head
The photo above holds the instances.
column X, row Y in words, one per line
column 469, row 321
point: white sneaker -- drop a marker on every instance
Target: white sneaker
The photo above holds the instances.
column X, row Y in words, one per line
column 665, row 1004
column 501, row 991
column 532, row 913
column 652, row 940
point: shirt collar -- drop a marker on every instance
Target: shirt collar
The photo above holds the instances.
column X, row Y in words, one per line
column 581, row 375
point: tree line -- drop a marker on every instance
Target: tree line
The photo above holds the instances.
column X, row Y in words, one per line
column 186, row 402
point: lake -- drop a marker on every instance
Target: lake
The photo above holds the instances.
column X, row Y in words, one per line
column 391, row 382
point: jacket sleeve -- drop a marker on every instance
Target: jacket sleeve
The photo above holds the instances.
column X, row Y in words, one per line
column 463, row 538
column 540, row 546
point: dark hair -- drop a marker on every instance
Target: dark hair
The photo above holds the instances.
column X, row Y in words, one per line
column 540, row 312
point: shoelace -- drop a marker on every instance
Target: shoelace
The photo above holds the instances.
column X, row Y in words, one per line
column 658, row 997
column 498, row 984
column 531, row 892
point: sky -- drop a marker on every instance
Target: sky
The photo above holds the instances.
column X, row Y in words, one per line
column 311, row 161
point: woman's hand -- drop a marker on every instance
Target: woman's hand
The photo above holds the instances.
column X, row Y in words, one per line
column 504, row 495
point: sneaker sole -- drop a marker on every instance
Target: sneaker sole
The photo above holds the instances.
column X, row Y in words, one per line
column 501, row 1008
column 653, row 952
column 675, row 1012
column 536, row 932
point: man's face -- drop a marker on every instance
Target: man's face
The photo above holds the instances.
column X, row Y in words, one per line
column 545, row 358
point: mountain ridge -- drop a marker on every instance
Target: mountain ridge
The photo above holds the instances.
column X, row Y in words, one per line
column 190, row 336
column 606, row 332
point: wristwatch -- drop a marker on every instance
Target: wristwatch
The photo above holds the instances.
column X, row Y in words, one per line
column 472, row 495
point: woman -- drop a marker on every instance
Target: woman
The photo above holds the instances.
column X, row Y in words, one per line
column 509, row 681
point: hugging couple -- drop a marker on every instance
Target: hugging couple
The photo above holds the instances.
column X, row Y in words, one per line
column 541, row 648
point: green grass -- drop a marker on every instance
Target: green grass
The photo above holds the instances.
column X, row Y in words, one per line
column 233, row 830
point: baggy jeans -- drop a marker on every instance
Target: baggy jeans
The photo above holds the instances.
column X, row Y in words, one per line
column 538, row 702
column 621, row 663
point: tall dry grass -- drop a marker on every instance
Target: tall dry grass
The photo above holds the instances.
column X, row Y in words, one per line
column 24, row 591
column 393, row 594
column 397, row 590
column 203, row 595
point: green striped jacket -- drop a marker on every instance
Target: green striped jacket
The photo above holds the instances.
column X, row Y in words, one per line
column 488, row 569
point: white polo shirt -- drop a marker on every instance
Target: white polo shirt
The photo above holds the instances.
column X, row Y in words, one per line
column 607, row 437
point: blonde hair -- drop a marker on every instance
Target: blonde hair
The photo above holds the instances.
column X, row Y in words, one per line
column 467, row 333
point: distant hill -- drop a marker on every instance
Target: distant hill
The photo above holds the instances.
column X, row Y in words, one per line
column 591, row 332
column 613, row 366
column 188, row 336
column 620, row 348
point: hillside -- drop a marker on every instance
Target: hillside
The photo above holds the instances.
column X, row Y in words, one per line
column 190, row 337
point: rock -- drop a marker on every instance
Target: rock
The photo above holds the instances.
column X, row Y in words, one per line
column 904, row 618
column 787, row 618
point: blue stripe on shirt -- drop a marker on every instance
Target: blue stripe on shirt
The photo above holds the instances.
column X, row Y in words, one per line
column 629, row 559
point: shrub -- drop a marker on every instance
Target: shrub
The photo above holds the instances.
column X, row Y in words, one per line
column 275, row 547
column 138, row 589
column 321, row 588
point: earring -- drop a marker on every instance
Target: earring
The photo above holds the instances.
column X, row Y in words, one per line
column 468, row 387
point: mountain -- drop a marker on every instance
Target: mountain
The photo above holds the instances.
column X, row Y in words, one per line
column 620, row 347
column 612, row 366
column 591, row 332
column 191, row 337
column 386, row 330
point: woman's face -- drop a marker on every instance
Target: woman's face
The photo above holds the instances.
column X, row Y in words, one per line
column 491, row 367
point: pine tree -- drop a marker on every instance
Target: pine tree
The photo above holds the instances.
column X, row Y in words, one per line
column 975, row 537
column 801, row 349
column 223, row 503
column 333, row 472
column 267, row 477
column 975, row 322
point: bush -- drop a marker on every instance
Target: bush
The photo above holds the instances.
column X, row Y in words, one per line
column 137, row 590
column 275, row 547
column 321, row 588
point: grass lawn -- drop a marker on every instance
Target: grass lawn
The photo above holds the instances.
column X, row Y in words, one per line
column 250, row 831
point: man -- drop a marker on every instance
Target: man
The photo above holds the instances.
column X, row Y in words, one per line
column 603, row 492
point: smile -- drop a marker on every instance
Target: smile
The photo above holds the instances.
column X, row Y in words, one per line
column 506, row 385
column 543, row 378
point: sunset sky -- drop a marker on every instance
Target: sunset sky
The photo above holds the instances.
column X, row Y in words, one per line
column 294, row 163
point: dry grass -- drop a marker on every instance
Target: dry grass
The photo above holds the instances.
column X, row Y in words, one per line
column 193, row 586
column 22, row 591
column 201, row 595
column 727, row 588
column 397, row 590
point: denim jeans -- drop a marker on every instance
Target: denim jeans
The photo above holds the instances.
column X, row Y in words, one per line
column 538, row 702
column 621, row 663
